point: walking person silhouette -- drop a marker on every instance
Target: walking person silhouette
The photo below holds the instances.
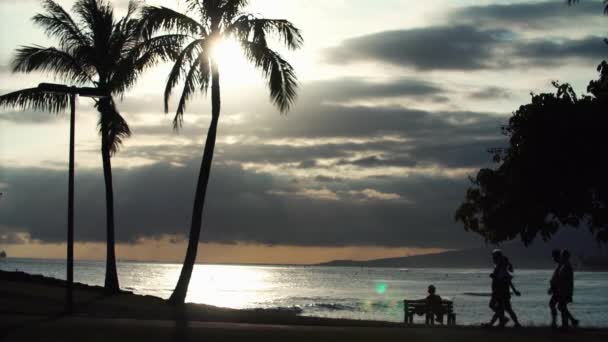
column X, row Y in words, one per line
column 501, row 291
column 565, row 290
column 561, row 288
column 556, row 255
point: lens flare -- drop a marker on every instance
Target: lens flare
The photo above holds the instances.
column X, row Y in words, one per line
column 381, row 288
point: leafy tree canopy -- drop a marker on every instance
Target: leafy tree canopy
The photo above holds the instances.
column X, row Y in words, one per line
column 553, row 174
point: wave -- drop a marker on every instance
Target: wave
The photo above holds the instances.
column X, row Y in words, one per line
column 283, row 309
column 477, row 294
column 320, row 298
column 332, row 306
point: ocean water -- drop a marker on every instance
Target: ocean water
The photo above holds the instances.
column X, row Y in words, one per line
column 340, row 292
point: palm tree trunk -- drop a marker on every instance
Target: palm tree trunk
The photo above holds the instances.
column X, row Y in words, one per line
column 70, row 249
column 181, row 289
column 111, row 282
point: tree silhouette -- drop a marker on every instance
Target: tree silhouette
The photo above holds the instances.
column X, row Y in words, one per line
column 196, row 66
column 553, row 174
column 100, row 51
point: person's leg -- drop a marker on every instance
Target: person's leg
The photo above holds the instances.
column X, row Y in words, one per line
column 493, row 305
column 553, row 307
column 571, row 318
column 511, row 313
column 503, row 320
column 563, row 308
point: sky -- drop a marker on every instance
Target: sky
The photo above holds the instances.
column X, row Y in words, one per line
column 398, row 103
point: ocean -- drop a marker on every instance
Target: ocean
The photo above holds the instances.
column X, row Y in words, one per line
column 340, row 292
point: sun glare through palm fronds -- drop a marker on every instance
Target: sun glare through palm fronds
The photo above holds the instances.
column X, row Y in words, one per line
column 236, row 70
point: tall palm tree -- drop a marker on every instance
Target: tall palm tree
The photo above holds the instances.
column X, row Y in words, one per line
column 197, row 67
column 100, row 51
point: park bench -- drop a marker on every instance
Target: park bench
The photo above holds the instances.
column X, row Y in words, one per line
column 420, row 307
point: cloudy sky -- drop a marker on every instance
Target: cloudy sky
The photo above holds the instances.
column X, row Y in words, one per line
column 398, row 103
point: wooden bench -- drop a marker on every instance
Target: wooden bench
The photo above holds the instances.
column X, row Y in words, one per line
column 419, row 307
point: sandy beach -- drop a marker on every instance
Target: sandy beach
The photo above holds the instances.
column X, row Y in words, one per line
column 31, row 309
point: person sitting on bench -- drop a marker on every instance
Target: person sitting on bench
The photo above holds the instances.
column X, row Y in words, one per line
column 433, row 303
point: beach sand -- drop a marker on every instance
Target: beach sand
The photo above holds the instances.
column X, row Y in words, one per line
column 31, row 309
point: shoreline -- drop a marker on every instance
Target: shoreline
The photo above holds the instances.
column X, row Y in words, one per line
column 584, row 268
column 32, row 308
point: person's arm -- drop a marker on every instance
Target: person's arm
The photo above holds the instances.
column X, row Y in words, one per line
column 517, row 293
column 569, row 280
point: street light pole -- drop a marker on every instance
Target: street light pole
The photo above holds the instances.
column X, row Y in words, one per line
column 72, row 92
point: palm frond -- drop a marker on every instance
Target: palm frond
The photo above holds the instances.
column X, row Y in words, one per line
column 231, row 8
column 127, row 31
column 249, row 27
column 147, row 54
column 56, row 22
column 190, row 84
column 97, row 15
column 112, row 126
column 180, row 68
column 193, row 5
column 133, row 7
column 281, row 77
column 61, row 63
column 204, row 62
column 162, row 18
column 34, row 99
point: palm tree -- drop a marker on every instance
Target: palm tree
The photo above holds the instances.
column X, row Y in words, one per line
column 99, row 51
column 197, row 67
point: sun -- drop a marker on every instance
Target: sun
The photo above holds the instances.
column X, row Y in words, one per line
column 234, row 67
column 226, row 51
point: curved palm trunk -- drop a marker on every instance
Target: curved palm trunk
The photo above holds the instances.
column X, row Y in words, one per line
column 111, row 282
column 181, row 289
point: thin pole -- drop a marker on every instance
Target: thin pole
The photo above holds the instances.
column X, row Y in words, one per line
column 70, row 246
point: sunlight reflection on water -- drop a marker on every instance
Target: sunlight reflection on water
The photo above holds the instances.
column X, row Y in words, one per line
column 352, row 292
column 229, row 286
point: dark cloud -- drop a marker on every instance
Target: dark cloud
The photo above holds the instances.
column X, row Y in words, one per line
column 367, row 122
column 491, row 94
column 356, row 89
column 530, row 15
column 464, row 47
column 307, row 164
column 461, row 47
column 544, row 52
column 254, row 206
column 379, row 161
column 243, row 206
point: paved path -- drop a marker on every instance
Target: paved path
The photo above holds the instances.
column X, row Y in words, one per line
column 86, row 329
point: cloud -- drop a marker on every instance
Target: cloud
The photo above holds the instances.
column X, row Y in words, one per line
column 28, row 117
column 466, row 48
column 491, row 94
column 530, row 15
column 460, row 47
column 546, row 52
column 294, row 203
column 11, row 236
column 356, row 89
column 245, row 206
column 315, row 194
column 371, row 194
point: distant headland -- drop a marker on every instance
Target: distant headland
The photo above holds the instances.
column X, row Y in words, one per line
column 587, row 255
